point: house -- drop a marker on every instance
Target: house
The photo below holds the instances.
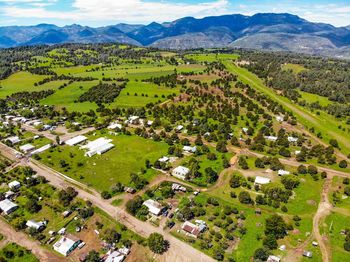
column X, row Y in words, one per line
column 191, row 229
column 279, row 118
column 27, row 148
column 14, row 185
column 114, row 126
column 282, row 172
column 8, row 206
column 114, row 256
column 180, row 172
column 177, row 187
column 154, row 207
column 66, row 245
column 98, row 146
column 13, row 140
column 307, row 254
column 179, row 128
column 292, row 139
column 134, row 120
column 76, row 140
column 271, row 138
column 272, row 258
column 190, row 149
column 259, row 180
column 9, row 194
column 36, row 225
column 164, row 159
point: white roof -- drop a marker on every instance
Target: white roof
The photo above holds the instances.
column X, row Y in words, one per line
column 164, row 159
column 245, row 129
column 115, row 126
column 272, row 258
column 181, row 170
column 282, row 172
column 26, row 147
column 115, row 256
column 271, row 138
column 14, row 184
column 34, row 224
column 153, row 206
column 64, row 245
column 98, row 146
column 41, row 149
column 6, row 205
column 76, row 140
column 179, row 127
column 262, row 180
column 14, row 139
column 292, row 139
column 192, row 149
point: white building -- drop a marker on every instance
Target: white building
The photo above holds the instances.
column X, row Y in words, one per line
column 27, row 148
column 292, row 139
column 272, row 258
column 114, row 126
column 66, row 245
column 41, row 149
column 98, row 146
column 180, row 172
column 153, row 206
column 271, row 138
column 279, row 118
column 190, row 149
column 36, row 225
column 14, row 185
column 179, row 128
column 164, row 159
column 8, row 206
column 114, row 256
column 259, row 180
column 134, row 120
column 245, row 130
column 13, row 140
column 76, row 140
column 282, row 172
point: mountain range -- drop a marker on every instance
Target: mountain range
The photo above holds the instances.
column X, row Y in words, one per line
column 267, row 31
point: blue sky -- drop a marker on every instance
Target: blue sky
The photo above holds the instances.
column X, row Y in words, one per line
column 106, row 12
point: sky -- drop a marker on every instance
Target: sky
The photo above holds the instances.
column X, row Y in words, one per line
column 107, row 12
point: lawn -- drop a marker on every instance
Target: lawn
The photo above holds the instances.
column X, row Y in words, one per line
column 332, row 226
column 15, row 253
column 102, row 172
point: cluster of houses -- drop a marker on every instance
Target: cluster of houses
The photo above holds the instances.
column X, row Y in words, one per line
column 27, row 148
column 7, row 206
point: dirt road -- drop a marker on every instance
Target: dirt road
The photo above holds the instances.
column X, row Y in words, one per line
column 23, row 240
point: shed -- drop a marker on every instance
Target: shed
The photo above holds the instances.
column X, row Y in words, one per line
column 259, row 180
column 14, row 185
column 13, row 140
column 8, row 206
column 36, row 225
column 282, row 172
column 27, row 148
column 180, row 172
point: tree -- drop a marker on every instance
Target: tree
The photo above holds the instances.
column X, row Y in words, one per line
column 244, row 197
column 242, row 162
column 347, row 190
column 312, row 170
column 111, row 236
column 276, row 226
column 270, row 242
column 334, row 143
column 343, row 164
column 302, row 169
column 93, row 256
column 236, row 180
column 157, row 244
column 290, row 182
column 221, row 146
column 259, row 163
column 32, row 206
column 261, row 254
column 106, row 195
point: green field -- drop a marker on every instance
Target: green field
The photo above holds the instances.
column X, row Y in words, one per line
column 102, row 172
column 312, row 98
column 294, row 67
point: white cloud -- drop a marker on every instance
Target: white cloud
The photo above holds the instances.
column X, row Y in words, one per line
column 115, row 10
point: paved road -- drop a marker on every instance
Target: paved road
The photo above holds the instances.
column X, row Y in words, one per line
column 178, row 251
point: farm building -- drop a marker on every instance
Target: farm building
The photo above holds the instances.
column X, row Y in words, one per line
column 98, row 146
column 307, row 254
column 8, row 206
column 180, row 172
column 14, row 185
column 66, row 245
column 282, row 172
column 27, row 148
column 191, row 229
column 13, row 140
column 164, row 159
column 41, row 149
column 153, row 206
column 190, row 149
column 259, row 180
column 36, row 225
column 76, row 140
column 134, row 120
